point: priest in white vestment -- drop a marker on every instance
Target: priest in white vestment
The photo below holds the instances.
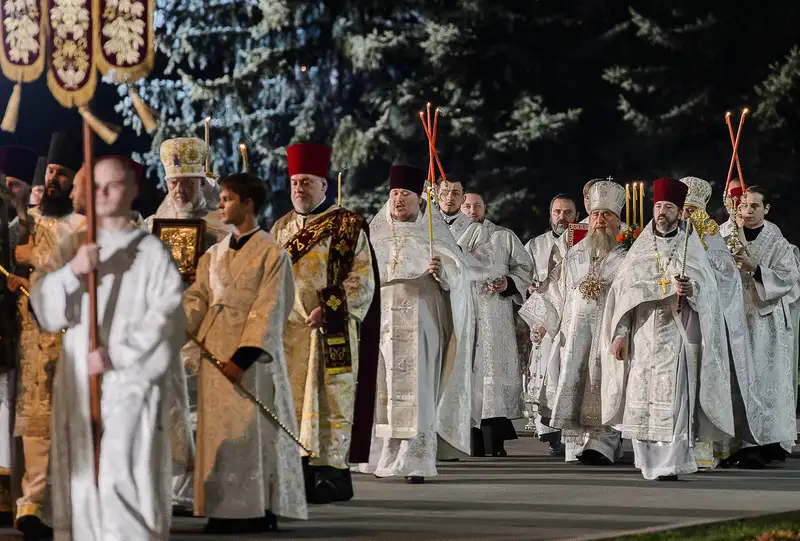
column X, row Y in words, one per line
column 497, row 379
column 547, row 250
column 748, row 409
column 248, row 470
column 665, row 372
column 141, row 328
column 450, row 197
column 768, row 266
column 425, row 361
column 569, row 307
column 184, row 161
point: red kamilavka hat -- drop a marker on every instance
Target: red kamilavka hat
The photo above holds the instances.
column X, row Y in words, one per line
column 308, row 159
column 669, row 189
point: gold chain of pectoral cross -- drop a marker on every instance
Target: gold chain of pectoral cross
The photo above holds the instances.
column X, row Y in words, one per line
column 396, row 248
column 663, row 281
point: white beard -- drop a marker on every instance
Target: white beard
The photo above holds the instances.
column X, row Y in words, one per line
column 601, row 243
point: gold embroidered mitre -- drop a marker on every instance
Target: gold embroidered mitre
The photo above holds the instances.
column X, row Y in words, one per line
column 184, row 157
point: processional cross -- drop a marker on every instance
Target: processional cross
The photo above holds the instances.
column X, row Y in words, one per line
column 82, row 37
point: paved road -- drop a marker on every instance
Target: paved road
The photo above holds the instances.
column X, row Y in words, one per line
column 529, row 496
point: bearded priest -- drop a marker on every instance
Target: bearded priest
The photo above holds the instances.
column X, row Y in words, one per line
column 331, row 338
column 748, row 408
column 547, row 250
column 665, row 371
column 567, row 308
column 427, row 337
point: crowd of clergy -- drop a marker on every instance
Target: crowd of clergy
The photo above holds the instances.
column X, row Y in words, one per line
column 248, row 373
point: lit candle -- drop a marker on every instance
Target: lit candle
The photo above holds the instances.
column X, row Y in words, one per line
column 641, row 204
column 208, row 144
column 243, row 149
column 634, row 204
column 627, row 206
column 340, row 189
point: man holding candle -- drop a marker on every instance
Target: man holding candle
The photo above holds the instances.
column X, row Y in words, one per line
column 665, row 370
column 451, row 197
column 427, row 337
column 547, row 250
column 567, row 307
column 331, row 338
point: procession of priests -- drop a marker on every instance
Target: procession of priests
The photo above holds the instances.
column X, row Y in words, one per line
column 243, row 373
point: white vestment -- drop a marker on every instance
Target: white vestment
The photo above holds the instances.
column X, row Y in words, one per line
column 674, row 388
column 573, row 319
column 245, row 463
column 546, row 251
column 141, row 322
column 497, row 381
column 768, row 304
column 748, row 409
column 426, row 347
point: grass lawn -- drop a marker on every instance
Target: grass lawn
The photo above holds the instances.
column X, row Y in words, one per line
column 734, row 530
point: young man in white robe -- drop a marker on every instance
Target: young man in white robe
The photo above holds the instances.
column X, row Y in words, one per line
column 425, row 363
column 748, row 409
column 768, row 267
column 569, row 307
column 497, row 380
column 141, row 327
column 248, row 470
column 547, row 250
column 665, row 371
column 450, row 197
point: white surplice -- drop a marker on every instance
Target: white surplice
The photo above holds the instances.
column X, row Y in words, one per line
column 497, row 381
column 245, row 463
column 426, row 347
column 573, row 321
column 674, row 389
column 769, row 304
column 546, row 251
column 141, row 322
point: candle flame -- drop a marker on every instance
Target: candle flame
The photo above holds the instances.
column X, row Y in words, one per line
column 745, row 111
column 242, row 146
column 208, row 119
column 728, row 114
column 428, row 104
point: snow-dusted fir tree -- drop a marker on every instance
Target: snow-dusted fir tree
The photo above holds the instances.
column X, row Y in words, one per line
column 354, row 74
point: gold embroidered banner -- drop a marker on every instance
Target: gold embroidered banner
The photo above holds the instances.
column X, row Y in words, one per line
column 23, row 40
column 124, row 37
column 72, row 71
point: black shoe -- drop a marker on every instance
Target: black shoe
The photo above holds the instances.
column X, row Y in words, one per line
column 415, row 479
column 33, row 529
column 324, row 492
column 241, row 525
column 558, row 450
column 667, row 477
column 752, row 462
column 590, row 457
column 181, row 510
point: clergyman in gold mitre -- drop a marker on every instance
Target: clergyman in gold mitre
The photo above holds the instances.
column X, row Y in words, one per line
column 694, row 208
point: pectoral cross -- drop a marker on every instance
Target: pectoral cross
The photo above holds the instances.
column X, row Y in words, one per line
column 663, row 283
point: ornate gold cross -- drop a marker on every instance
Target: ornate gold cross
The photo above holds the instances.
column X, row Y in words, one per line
column 663, row 283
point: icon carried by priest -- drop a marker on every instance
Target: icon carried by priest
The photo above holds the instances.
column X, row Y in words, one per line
column 331, row 338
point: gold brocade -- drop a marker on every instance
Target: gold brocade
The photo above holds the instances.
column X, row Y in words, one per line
column 704, row 225
column 124, row 38
column 23, row 44
column 324, row 403
column 72, row 73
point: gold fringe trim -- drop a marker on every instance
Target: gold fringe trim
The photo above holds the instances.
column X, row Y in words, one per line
column 73, row 98
column 145, row 112
column 130, row 73
column 12, row 110
column 27, row 74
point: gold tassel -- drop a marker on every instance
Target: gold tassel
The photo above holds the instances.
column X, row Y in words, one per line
column 106, row 132
column 12, row 110
column 145, row 112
